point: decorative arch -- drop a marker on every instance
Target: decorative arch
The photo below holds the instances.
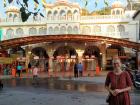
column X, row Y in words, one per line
column 93, row 51
column 97, row 29
column 113, row 13
column 10, row 15
column 110, row 28
column 50, row 31
column 56, row 30
column 86, row 30
column 69, row 15
column 63, row 30
column 19, row 32
column 9, row 33
column 65, row 51
column 121, row 28
column 62, row 15
column 40, row 52
column 42, row 30
column 69, row 30
column 15, row 16
column 49, row 15
column 17, row 50
column 32, row 31
column 75, row 12
column 118, row 12
column 75, row 30
column 55, row 14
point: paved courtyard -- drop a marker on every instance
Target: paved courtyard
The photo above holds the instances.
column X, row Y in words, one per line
column 58, row 91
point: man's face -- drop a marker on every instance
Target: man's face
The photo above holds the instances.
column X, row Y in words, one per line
column 116, row 64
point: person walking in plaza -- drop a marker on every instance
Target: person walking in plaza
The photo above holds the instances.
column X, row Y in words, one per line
column 80, row 69
column 118, row 83
column 35, row 75
column 19, row 69
column 13, row 71
column 29, row 68
column 76, row 70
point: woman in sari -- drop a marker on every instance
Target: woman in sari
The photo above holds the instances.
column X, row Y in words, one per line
column 118, row 83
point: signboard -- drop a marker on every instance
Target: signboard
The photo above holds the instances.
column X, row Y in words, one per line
column 111, row 53
column 4, row 60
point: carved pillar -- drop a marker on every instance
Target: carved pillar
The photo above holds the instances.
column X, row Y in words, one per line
column 103, row 54
column 28, row 54
column 50, row 54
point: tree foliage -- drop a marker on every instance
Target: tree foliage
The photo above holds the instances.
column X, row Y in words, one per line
column 104, row 11
column 24, row 10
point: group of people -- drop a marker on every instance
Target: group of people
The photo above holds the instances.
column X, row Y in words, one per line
column 78, row 69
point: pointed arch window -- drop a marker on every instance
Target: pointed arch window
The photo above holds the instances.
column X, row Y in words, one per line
column 50, row 31
column 110, row 29
column 9, row 34
column 69, row 30
column 121, row 28
column 32, row 31
column 56, row 30
column 19, row 32
column 75, row 30
column 63, row 30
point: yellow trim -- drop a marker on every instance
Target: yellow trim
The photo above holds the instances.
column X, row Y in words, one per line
column 106, row 23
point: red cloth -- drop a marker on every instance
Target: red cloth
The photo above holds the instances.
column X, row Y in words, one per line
column 120, row 81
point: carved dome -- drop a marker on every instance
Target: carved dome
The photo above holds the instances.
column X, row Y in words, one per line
column 61, row 0
column 117, row 4
column 12, row 9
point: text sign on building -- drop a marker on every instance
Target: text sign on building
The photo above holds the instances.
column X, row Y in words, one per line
column 111, row 53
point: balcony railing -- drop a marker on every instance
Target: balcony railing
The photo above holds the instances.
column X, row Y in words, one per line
column 105, row 18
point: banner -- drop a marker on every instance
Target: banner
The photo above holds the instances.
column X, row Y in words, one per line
column 4, row 60
column 0, row 34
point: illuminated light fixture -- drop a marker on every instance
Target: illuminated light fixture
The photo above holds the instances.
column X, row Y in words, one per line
column 86, row 56
column 73, row 56
column 36, row 57
column 92, row 56
column 29, row 52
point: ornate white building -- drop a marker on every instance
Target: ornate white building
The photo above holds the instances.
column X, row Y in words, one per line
column 64, row 17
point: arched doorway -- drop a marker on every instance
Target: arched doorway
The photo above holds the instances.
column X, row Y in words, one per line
column 64, row 59
column 39, row 57
column 91, row 58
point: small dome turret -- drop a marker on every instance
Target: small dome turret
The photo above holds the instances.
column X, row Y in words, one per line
column 117, row 4
column 12, row 9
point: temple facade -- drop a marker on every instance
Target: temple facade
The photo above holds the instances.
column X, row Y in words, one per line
column 68, row 18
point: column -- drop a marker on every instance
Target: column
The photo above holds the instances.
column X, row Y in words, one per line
column 103, row 53
column 28, row 54
column 50, row 69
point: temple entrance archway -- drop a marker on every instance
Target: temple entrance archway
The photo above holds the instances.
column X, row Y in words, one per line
column 64, row 59
column 91, row 58
column 39, row 57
